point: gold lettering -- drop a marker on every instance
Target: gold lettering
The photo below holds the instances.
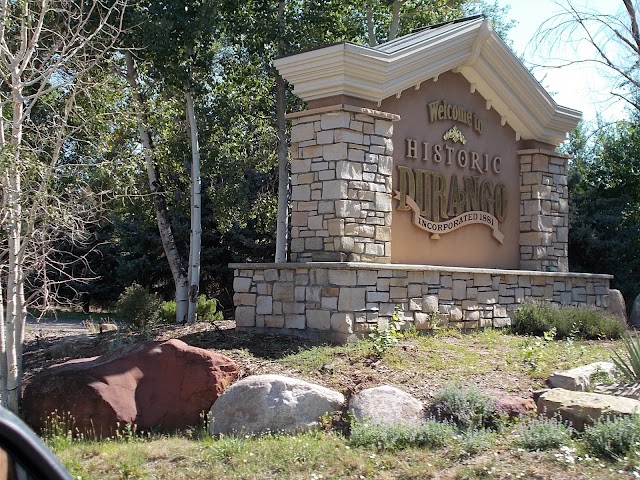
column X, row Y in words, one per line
column 433, row 111
column 439, row 197
column 456, row 198
column 407, row 186
column 487, row 200
column 423, row 191
column 472, row 193
column 501, row 202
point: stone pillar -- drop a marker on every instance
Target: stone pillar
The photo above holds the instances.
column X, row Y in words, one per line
column 341, row 191
column 544, row 211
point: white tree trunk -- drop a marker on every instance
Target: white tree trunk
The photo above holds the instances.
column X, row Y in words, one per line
column 180, row 279
column 283, row 150
column 196, row 211
column 15, row 288
column 371, row 27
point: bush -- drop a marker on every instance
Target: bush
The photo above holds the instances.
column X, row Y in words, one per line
column 431, row 434
column 206, row 310
column 137, row 307
column 543, row 434
column 629, row 364
column 467, row 408
column 476, row 441
column 569, row 322
column 613, row 438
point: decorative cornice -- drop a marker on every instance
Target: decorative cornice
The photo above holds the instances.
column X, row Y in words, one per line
column 469, row 47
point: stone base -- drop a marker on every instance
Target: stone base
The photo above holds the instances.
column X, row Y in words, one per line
column 338, row 301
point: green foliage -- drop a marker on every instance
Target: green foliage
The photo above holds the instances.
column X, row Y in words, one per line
column 568, row 322
column 59, row 430
column 604, row 196
column 205, row 309
column 476, row 441
column 534, row 349
column 386, row 336
column 613, row 438
column 137, row 307
column 543, row 434
column 430, row 434
column 467, row 407
column 628, row 363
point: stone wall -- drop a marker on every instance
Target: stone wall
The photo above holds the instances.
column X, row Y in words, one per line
column 544, row 211
column 336, row 301
column 341, row 192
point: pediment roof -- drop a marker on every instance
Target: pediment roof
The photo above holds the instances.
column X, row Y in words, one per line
column 468, row 46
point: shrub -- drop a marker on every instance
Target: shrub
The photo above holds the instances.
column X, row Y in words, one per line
column 206, row 310
column 467, row 407
column 137, row 307
column 431, row 434
column 569, row 322
column 629, row 364
column 613, row 438
column 543, row 434
column 476, row 441
column 533, row 319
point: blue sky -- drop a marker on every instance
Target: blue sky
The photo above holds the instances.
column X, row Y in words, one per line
column 582, row 87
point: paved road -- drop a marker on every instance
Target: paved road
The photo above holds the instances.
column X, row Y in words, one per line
column 51, row 326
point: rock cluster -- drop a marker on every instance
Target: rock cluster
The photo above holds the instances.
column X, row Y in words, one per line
column 163, row 385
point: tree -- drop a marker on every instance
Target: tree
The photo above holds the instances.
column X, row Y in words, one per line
column 604, row 196
column 49, row 51
column 613, row 38
column 174, row 39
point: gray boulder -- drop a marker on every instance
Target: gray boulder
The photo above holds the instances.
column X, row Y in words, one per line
column 579, row 379
column 617, row 307
column 635, row 313
column 272, row 403
column 386, row 404
column 584, row 408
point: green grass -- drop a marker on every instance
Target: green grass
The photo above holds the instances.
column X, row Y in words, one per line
column 423, row 362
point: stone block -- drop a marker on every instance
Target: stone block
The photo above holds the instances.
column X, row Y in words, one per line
column 245, row 316
column 301, row 193
column 335, row 151
column 348, row 136
column 347, row 170
column 351, row 299
column 264, row 305
column 302, row 132
column 430, row 303
column 283, row 292
column 294, row 321
column 342, row 322
column 342, row 277
column 318, row 319
column 334, row 120
column 335, row 189
column 242, row 284
column 348, row 208
column 300, row 165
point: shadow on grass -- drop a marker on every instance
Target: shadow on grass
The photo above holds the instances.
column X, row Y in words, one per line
column 262, row 345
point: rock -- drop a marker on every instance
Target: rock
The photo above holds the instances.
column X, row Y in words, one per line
column 70, row 347
column 108, row 327
column 272, row 403
column 634, row 319
column 515, row 407
column 386, row 404
column 164, row 385
column 579, row 379
column 617, row 307
column 583, row 408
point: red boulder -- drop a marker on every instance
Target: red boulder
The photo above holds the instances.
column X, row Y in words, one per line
column 164, row 385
